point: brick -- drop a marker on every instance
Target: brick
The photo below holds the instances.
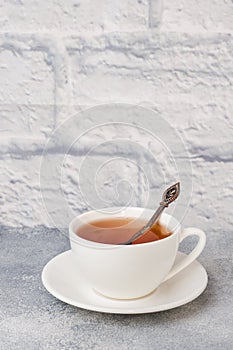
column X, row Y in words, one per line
column 89, row 182
column 158, row 68
column 74, row 16
column 26, row 77
column 20, row 197
column 205, row 127
column 23, row 181
column 64, row 186
column 127, row 15
column 186, row 79
column 197, row 16
column 26, row 120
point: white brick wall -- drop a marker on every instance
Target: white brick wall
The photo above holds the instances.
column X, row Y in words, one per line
column 57, row 58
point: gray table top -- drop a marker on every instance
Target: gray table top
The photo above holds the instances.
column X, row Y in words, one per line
column 31, row 318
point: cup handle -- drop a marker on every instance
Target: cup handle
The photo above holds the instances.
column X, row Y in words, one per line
column 190, row 231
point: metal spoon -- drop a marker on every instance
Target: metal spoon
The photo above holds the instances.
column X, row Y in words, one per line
column 168, row 197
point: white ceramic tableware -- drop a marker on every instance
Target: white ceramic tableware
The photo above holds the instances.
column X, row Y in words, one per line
column 129, row 272
column 64, row 281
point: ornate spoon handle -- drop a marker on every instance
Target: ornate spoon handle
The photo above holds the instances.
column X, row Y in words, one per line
column 169, row 196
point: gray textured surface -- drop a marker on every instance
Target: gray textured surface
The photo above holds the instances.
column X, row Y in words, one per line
column 33, row 319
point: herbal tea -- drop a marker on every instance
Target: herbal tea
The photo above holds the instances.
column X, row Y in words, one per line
column 118, row 230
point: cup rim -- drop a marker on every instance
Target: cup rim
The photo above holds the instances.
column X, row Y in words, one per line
column 97, row 245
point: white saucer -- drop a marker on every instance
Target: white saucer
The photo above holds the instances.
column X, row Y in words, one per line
column 62, row 279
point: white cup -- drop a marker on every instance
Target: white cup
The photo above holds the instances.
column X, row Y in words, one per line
column 130, row 271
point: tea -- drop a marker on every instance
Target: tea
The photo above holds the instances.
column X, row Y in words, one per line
column 118, row 230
